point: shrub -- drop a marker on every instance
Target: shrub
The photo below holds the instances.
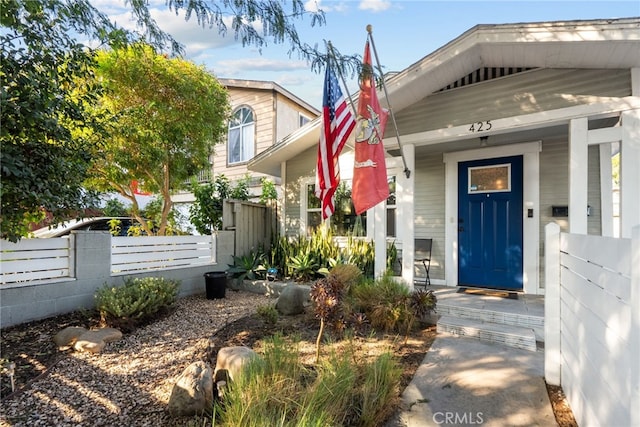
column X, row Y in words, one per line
column 137, row 301
column 390, row 305
column 268, row 313
column 347, row 274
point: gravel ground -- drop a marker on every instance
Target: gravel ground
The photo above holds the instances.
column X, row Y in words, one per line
column 130, row 382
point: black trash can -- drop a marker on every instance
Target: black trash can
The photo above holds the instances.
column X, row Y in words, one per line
column 216, row 284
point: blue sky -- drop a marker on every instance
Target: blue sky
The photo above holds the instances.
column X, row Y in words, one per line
column 404, row 32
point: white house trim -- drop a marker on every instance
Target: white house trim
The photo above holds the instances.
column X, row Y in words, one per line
column 578, row 175
column 606, row 108
column 531, row 200
column 405, row 213
column 629, row 172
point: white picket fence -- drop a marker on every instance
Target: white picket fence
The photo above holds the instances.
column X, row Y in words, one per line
column 592, row 325
column 137, row 254
column 36, row 259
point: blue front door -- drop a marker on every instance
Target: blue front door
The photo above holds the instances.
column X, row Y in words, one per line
column 490, row 223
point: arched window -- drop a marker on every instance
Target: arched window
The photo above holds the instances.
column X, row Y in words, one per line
column 241, row 145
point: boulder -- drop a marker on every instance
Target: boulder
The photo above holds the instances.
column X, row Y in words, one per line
column 68, row 336
column 291, row 300
column 233, row 360
column 89, row 346
column 95, row 340
column 105, row 334
column 193, row 392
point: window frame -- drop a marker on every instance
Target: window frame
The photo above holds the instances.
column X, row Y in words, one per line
column 241, row 129
column 472, row 190
column 305, row 209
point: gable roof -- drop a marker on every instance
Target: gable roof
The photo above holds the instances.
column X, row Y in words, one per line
column 267, row 86
column 610, row 43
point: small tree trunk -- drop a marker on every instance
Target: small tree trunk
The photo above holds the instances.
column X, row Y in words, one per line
column 319, row 339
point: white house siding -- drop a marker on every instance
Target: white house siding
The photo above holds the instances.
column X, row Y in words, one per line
column 301, row 169
column 523, row 93
column 429, row 208
column 288, row 114
column 261, row 102
column 554, row 188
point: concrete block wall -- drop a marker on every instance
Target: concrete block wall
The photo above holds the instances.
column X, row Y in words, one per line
column 20, row 303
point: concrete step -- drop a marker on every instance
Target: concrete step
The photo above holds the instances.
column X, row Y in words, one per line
column 512, row 336
column 500, row 317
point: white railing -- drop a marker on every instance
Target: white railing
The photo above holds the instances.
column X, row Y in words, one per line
column 140, row 254
column 592, row 324
column 36, row 259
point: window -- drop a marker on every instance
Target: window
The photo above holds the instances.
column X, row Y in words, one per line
column 241, row 146
column 344, row 220
column 303, row 120
column 391, row 207
column 489, row 179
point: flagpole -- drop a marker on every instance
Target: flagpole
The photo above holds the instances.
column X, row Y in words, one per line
column 407, row 172
column 344, row 83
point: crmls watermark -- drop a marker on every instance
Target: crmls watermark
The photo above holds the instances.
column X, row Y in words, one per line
column 469, row 418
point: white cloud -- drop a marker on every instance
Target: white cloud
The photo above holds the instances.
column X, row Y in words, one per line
column 232, row 67
column 374, row 5
column 194, row 37
column 316, row 5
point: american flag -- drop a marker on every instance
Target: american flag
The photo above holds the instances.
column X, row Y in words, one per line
column 337, row 124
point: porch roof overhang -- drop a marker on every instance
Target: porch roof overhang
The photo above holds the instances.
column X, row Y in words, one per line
column 608, row 44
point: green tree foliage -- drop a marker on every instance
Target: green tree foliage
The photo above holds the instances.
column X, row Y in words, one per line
column 167, row 113
column 43, row 165
column 115, row 207
column 45, row 153
column 206, row 211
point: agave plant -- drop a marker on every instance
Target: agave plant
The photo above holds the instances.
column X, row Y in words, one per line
column 304, row 266
column 248, row 266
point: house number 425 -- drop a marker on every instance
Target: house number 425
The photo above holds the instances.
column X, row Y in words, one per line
column 480, row 126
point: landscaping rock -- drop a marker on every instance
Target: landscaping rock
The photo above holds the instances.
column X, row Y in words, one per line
column 95, row 340
column 68, row 336
column 233, row 360
column 89, row 346
column 193, row 392
column 291, row 300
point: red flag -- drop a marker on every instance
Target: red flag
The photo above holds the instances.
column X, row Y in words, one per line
column 337, row 124
column 370, row 185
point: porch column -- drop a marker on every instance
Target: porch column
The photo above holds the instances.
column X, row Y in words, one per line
column 405, row 194
column 630, row 172
column 281, row 202
column 578, row 173
column 379, row 212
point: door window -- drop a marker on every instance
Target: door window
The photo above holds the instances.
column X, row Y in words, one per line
column 489, row 179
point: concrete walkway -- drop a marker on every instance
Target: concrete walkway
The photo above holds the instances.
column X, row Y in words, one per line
column 466, row 382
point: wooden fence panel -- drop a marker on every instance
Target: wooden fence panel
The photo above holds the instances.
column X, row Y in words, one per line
column 135, row 254
column 36, row 259
column 253, row 225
